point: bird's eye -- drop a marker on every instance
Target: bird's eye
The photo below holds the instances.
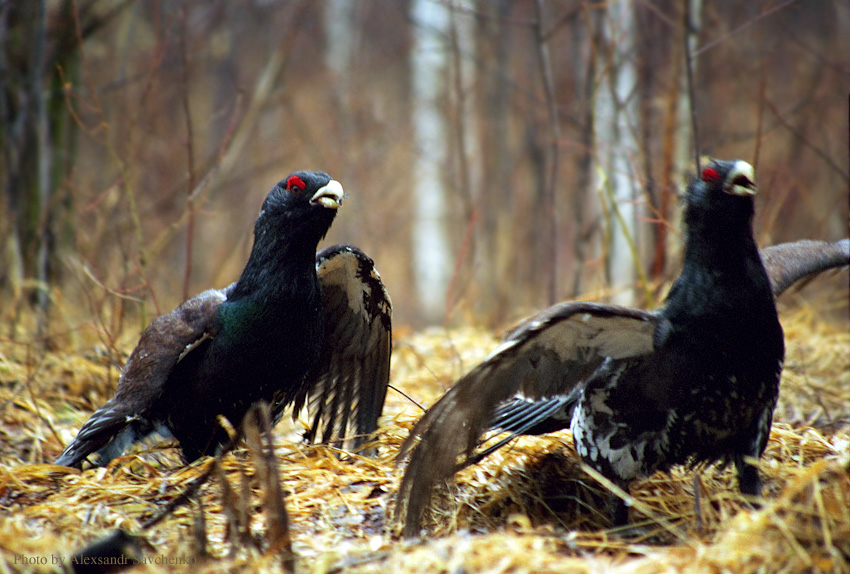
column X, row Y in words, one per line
column 295, row 184
column 710, row 175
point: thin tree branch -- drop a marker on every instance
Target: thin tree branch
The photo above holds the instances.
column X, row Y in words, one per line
column 743, row 26
column 819, row 152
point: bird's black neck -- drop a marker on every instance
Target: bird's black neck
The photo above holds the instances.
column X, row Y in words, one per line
column 721, row 267
column 277, row 291
column 278, row 269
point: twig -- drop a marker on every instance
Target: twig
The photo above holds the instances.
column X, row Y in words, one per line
column 236, row 120
column 819, row 152
column 185, row 496
column 257, row 428
column 408, row 397
column 743, row 26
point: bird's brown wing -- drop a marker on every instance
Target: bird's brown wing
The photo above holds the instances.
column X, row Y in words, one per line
column 345, row 391
column 541, row 362
column 788, row 263
column 167, row 340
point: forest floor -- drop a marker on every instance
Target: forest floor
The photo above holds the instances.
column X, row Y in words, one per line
column 529, row 508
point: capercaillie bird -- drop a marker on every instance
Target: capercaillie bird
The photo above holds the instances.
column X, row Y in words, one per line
column 296, row 328
column 694, row 381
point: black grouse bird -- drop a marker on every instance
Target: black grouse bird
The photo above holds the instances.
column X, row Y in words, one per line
column 296, row 328
column 696, row 380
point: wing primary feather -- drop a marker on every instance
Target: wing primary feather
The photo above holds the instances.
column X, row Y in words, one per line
column 518, row 423
column 519, row 418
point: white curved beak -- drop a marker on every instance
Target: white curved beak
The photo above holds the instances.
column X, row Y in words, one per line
column 329, row 196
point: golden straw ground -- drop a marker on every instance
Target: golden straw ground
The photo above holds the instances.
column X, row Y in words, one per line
column 512, row 513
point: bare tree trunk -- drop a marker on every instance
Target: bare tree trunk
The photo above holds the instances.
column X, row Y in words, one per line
column 44, row 156
column 341, row 40
column 38, row 141
column 584, row 243
column 497, row 208
column 550, row 180
column 680, row 144
column 11, row 257
column 615, row 109
column 27, row 149
column 190, row 151
column 432, row 261
column 466, row 168
column 687, row 135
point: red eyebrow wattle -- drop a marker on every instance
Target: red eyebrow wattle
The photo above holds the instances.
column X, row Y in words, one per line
column 295, row 181
column 710, row 174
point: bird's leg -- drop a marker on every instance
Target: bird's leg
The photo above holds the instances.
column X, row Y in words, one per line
column 618, row 508
column 748, row 477
column 619, row 511
column 749, row 481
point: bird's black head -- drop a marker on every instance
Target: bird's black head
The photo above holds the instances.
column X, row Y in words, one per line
column 722, row 197
column 300, row 208
column 295, row 216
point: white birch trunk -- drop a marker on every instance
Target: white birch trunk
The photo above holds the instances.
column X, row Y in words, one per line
column 464, row 96
column 432, row 261
column 615, row 110
column 340, row 37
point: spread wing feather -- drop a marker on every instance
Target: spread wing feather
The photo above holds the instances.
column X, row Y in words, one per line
column 347, row 387
column 541, row 361
column 166, row 341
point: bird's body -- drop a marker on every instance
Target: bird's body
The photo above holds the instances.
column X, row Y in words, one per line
column 235, row 368
column 695, row 381
column 259, row 339
column 707, row 390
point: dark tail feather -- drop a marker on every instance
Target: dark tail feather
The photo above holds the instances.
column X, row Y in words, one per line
column 788, row 263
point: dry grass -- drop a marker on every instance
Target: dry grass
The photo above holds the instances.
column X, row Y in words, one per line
column 529, row 508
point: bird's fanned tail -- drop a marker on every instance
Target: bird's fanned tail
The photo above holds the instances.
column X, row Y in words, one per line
column 789, row 263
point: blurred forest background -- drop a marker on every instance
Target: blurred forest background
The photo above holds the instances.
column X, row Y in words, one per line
column 499, row 154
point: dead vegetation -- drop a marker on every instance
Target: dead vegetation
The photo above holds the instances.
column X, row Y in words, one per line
column 529, row 508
